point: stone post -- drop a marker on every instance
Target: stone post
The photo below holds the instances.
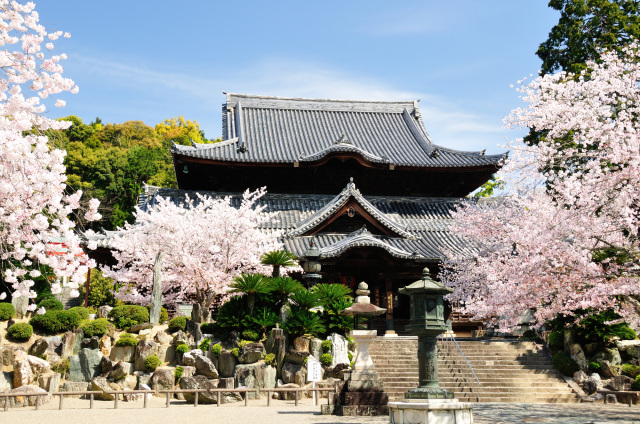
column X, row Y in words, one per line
column 156, row 292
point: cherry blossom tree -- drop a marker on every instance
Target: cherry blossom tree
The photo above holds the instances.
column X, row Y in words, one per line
column 565, row 238
column 34, row 209
column 205, row 243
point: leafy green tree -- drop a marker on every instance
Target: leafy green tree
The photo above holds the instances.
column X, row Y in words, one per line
column 586, row 28
column 181, row 131
column 279, row 259
column 251, row 285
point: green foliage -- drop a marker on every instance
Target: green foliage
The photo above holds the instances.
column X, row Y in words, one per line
column 488, row 189
column 270, row 359
column 178, row 323
column 351, row 344
column 164, row 315
column 335, row 322
column 232, row 316
column 595, row 366
column 177, row 373
column 243, row 343
column 61, row 367
column 251, row 285
column 152, row 363
column 278, row 259
column 306, row 299
column 55, row 321
column 326, row 359
column 283, row 287
column 83, row 312
column 264, row 319
column 216, row 349
column 51, row 304
column 350, row 356
column 235, row 352
column 563, row 363
column 97, row 327
column 182, row 349
column 208, row 327
column 636, row 384
column 101, row 289
column 250, row 335
column 529, row 334
column 326, row 346
column 20, row 331
column 556, row 340
column 126, row 316
column 597, row 327
column 127, row 339
column 204, row 345
column 7, row 311
column 303, row 322
column 630, row 370
column 585, row 29
column 330, row 293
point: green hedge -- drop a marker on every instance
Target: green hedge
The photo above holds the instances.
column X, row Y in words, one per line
column 51, row 304
column 556, row 340
column 565, row 364
column 127, row 339
column 152, row 363
column 178, row 323
column 54, row 322
column 97, row 327
column 326, row 359
column 20, row 331
column 126, row 316
column 7, row 311
column 631, row 370
column 82, row 311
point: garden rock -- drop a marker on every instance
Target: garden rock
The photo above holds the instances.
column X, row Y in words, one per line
column 226, row 364
column 188, row 359
column 20, row 304
column 38, row 365
column 339, row 349
column 163, row 338
column 49, row 381
column 67, row 345
column 144, row 349
column 90, row 343
column 130, row 382
column 611, row 354
column 287, row 395
column 181, row 337
column 188, row 371
column 106, row 364
column 163, row 379
column 85, row 365
column 294, row 373
column 45, row 346
column 138, row 327
column 580, row 376
column 120, row 370
column 105, row 345
column 102, row 384
column 22, row 374
column 609, row 370
column 131, row 397
column 301, row 344
column 75, row 386
column 228, row 397
column 166, row 353
column 577, row 355
column 103, row 311
column 144, row 378
column 255, row 376
column 593, row 383
column 199, row 382
column 20, row 401
column 315, row 348
column 8, row 353
column 251, row 353
column 205, row 367
column 270, row 344
column 123, row 353
column 631, row 348
column 619, row 383
column 336, row 372
column 6, row 381
column 296, row 357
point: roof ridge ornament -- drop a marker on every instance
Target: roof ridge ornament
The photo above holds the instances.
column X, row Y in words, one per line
column 343, row 140
column 435, row 153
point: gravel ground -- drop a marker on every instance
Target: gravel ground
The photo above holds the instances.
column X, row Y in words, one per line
column 286, row 412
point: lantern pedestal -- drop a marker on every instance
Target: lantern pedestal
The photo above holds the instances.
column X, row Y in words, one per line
column 433, row 411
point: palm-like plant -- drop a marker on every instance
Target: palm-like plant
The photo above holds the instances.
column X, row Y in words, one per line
column 283, row 287
column 251, row 284
column 303, row 322
column 331, row 293
column 278, row 259
column 264, row 319
column 305, row 299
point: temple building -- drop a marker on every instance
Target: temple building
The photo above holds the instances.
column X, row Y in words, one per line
column 359, row 181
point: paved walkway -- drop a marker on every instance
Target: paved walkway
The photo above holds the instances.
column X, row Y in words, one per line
column 285, row 412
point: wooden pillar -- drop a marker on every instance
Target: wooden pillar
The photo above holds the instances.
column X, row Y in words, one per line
column 389, row 301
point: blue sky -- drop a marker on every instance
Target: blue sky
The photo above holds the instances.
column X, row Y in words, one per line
column 153, row 59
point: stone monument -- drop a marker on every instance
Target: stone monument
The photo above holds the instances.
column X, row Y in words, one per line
column 428, row 403
column 363, row 392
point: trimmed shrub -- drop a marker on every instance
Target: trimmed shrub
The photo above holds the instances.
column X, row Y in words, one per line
column 182, row 349
column 51, row 304
column 326, row 346
column 178, row 323
column 204, row 345
column 631, row 370
column 636, row 384
column 152, row 363
column 20, row 331
column 61, row 367
column 55, row 321
column 7, row 311
column 326, row 359
column 126, row 316
column 235, row 352
column 270, row 359
column 208, row 328
column 178, row 374
column 595, row 366
column 164, row 315
column 250, row 335
column 243, row 343
column 83, row 312
column 556, row 340
column 216, row 349
column 127, row 339
column 565, row 364
column 626, row 333
column 97, row 327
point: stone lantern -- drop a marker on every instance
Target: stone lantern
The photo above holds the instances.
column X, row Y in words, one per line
column 311, row 265
column 427, row 322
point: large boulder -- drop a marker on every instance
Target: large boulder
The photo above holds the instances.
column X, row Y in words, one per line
column 251, row 353
column 608, row 354
column 90, row 343
column 103, row 311
column 45, row 347
column 296, row 357
column 163, row 338
column 577, row 354
column 619, row 383
column 163, row 379
column 143, row 378
column 86, row 365
column 67, row 345
column 180, row 337
column 287, row 395
column 226, row 364
column 6, row 381
column 75, row 386
column 593, row 383
column 24, row 400
column 103, row 385
column 120, row 370
column 608, row 370
column 315, row 348
column 139, row 327
column 49, row 381
column 255, row 376
column 7, row 354
column 38, row 365
column 22, row 373
column 301, row 344
column 123, row 353
column 580, row 376
column 205, row 367
column 199, row 382
column 144, row 349
column 294, row 373
column 629, row 348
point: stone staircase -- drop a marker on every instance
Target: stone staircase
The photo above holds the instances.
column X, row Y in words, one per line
column 509, row 371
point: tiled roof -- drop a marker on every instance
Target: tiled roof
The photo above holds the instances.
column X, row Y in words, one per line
column 260, row 129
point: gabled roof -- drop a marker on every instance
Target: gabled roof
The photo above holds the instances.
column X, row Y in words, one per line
column 278, row 130
column 363, row 238
column 335, row 205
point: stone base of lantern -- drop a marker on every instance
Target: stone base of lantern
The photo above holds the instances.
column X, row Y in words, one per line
column 432, row 411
